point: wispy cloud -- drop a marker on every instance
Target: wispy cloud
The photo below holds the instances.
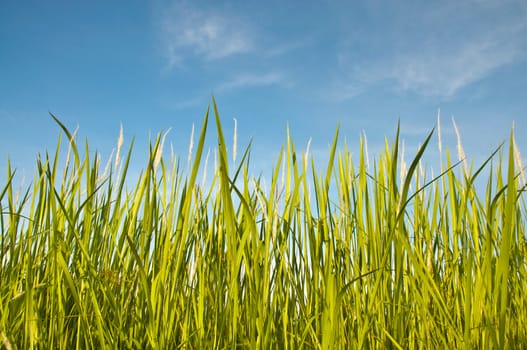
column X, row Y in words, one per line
column 444, row 49
column 287, row 47
column 438, row 73
column 197, row 101
column 240, row 81
column 253, row 80
column 190, row 32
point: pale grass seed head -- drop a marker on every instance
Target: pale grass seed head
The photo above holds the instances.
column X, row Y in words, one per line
column 106, row 169
column 172, row 152
column 306, row 155
column 518, row 157
column 97, row 165
column 460, row 151
column 120, row 141
column 403, row 164
column 205, row 166
column 284, row 168
column 366, row 155
column 191, row 145
column 159, row 151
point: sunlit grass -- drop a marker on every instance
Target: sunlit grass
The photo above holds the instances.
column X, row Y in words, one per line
column 362, row 255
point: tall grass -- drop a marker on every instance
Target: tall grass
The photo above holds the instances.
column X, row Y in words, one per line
column 358, row 256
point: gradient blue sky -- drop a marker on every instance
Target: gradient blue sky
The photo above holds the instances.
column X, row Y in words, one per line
column 153, row 65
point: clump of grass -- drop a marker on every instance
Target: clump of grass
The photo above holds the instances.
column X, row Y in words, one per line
column 356, row 257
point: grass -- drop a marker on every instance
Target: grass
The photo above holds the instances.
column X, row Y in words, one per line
column 357, row 256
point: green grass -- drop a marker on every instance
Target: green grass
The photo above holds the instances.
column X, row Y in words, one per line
column 357, row 256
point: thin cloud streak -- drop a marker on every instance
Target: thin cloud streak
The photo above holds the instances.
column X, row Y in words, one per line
column 246, row 80
column 253, row 80
column 287, row 47
column 198, row 101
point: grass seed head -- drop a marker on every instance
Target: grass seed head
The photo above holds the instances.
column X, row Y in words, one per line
column 191, row 145
column 120, row 142
column 460, row 152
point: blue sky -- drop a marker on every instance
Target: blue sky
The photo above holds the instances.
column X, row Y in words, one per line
column 154, row 65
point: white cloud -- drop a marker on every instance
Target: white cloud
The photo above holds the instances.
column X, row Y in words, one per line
column 287, row 47
column 252, row 80
column 442, row 51
column 191, row 32
column 245, row 80
column 439, row 73
column 191, row 102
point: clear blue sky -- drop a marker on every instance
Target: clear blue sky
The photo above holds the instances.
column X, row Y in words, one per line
column 153, row 65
